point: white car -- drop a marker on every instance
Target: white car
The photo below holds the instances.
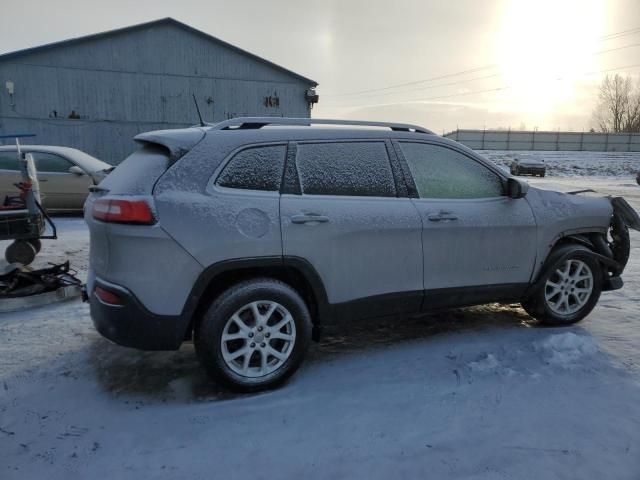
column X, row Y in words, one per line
column 65, row 174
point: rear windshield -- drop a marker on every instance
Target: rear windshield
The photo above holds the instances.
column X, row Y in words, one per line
column 138, row 173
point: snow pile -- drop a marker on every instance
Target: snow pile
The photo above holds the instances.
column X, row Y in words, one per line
column 567, row 349
column 488, row 363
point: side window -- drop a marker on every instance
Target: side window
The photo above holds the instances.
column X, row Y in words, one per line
column 258, row 168
column 50, row 163
column 9, row 161
column 441, row 172
column 345, row 168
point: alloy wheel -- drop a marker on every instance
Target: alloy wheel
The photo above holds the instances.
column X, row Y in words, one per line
column 258, row 339
column 569, row 287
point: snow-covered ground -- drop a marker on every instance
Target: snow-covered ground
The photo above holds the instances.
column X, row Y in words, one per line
column 478, row 393
column 602, row 164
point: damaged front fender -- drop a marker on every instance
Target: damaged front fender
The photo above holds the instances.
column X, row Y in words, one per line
column 626, row 212
column 623, row 218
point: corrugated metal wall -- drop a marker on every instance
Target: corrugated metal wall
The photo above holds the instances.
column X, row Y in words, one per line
column 137, row 81
column 550, row 141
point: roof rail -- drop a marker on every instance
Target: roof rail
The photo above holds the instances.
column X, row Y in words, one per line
column 259, row 122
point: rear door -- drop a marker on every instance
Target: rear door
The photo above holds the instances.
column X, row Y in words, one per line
column 477, row 241
column 348, row 215
column 60, row 188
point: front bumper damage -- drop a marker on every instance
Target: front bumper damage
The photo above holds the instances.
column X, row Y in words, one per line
column 616, row 246
column 612, row 248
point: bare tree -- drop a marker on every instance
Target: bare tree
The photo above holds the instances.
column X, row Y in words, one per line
column 618, row 109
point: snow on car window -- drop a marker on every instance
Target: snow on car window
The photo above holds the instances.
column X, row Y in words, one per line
column 255, row 169
column 348, row 168
column 440, row 172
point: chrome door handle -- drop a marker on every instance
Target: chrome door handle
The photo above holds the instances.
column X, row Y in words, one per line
column 309, row 218
column 436, row 217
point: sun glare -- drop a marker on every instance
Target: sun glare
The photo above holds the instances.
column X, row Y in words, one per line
column 544, row 48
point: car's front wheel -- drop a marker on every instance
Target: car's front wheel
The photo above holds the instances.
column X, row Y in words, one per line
column 568, row 290
column 254, row 335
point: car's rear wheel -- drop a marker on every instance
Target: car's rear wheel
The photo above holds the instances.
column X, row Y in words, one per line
column 254, row 335
column 568, row 290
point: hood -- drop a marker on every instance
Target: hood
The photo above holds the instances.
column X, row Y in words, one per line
column 563, row 212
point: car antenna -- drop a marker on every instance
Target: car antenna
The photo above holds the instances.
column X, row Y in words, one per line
column 202, row 124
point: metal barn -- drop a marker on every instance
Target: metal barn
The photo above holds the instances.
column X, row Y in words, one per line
column 97, row 92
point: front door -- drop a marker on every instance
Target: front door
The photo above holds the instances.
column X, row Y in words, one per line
column 477, row 241
column 349, row 223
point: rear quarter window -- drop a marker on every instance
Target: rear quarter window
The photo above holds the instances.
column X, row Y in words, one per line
column 255, row 168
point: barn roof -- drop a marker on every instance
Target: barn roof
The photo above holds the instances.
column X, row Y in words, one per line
column 139, row 26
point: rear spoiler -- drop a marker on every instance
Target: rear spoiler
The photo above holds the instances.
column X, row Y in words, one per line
column 177, row 142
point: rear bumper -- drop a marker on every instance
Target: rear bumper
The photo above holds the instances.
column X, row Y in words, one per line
column 131, row 324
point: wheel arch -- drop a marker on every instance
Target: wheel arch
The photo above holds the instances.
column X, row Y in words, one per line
column 591, row 241
column 294, row 271
column 558, row 251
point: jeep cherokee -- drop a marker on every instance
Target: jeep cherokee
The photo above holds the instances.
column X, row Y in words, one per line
column 249, row 235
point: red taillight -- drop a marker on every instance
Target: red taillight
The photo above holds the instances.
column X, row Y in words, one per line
column 107, row 297
column 123, row 211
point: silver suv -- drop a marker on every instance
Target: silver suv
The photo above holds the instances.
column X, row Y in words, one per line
column 249, row 235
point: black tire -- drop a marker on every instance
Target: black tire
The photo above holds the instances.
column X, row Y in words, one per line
column 537, row 306
column 20, row 251
column 208, row 333
column 37, row 244
column 542, row 174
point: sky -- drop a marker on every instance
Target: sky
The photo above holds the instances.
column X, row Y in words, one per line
column 441, row 64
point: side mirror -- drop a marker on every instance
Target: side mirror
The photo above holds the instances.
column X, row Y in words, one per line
column 76, row 170
column 517, row 188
